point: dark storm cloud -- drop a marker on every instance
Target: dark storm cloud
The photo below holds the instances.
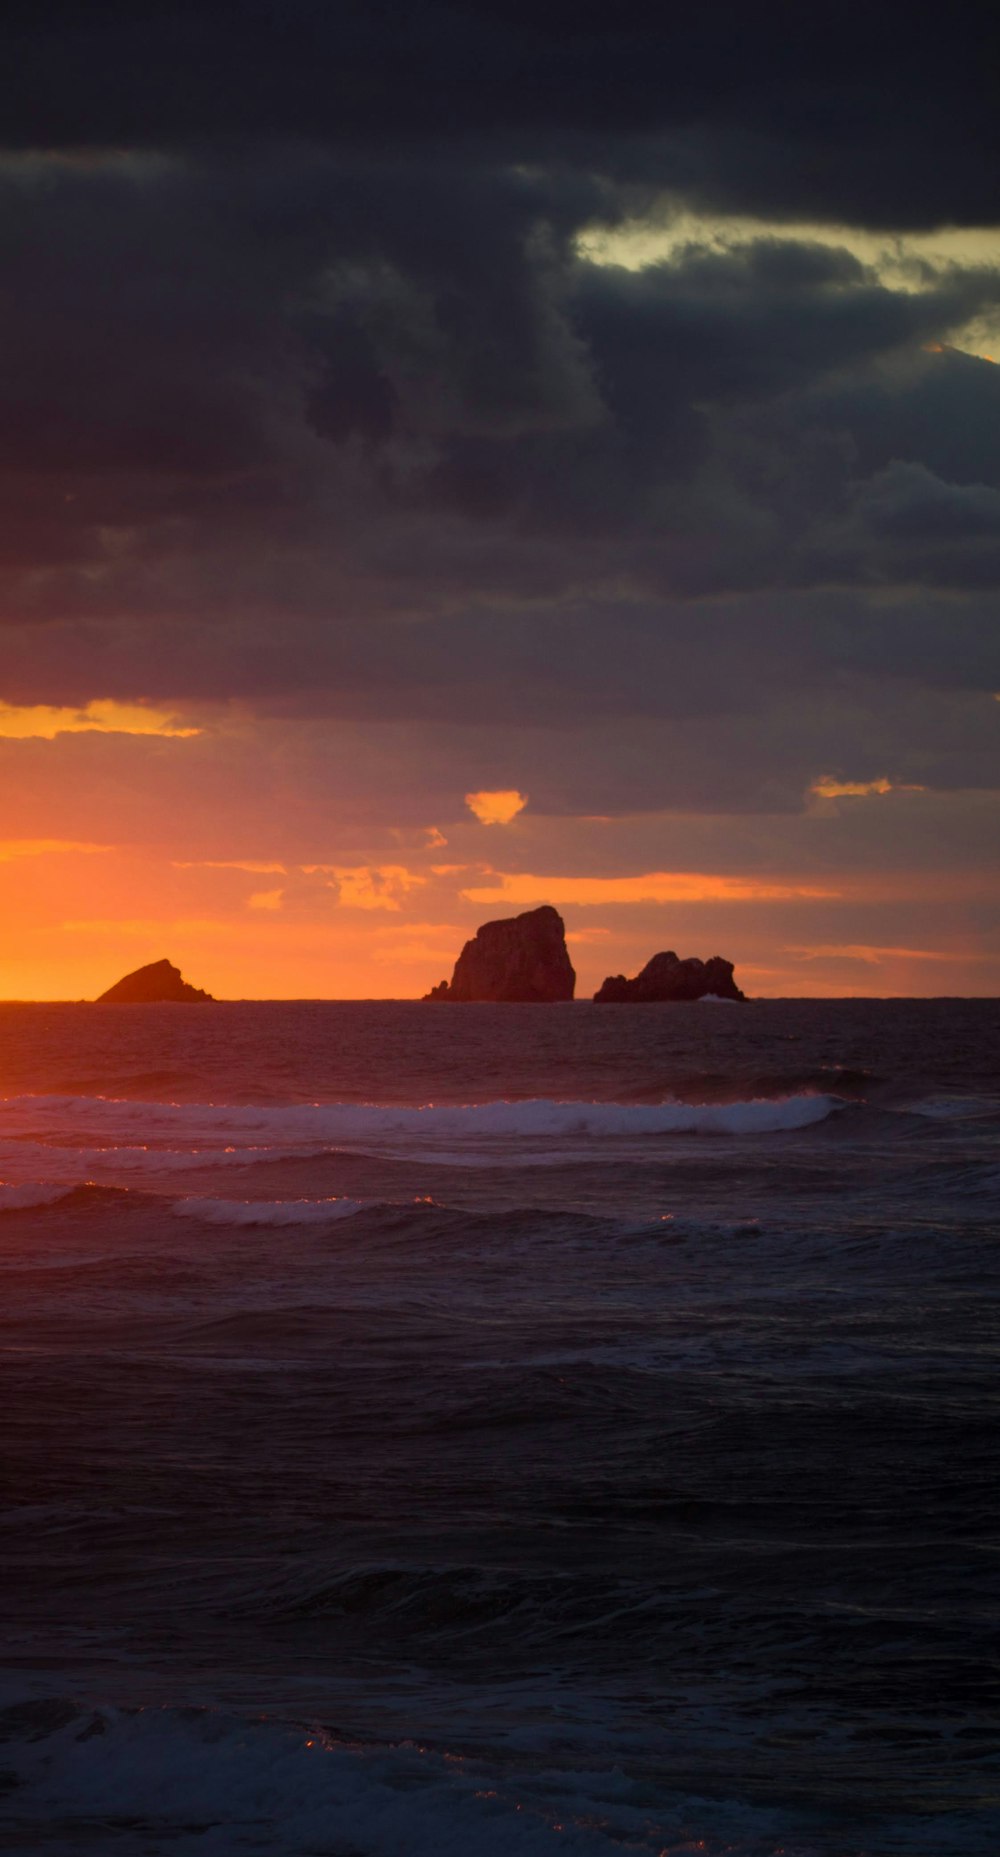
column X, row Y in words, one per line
column 942, row 410
column 556, row 666
column 739, row 374
column 308, row 398
column 907, row 526
column 885, row 116
column 154, row 312
column 301, row 347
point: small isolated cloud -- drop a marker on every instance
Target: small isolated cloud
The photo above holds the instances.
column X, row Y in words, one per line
column 829, row 787
column 43, row 722
column 266, row 899
column 435, row 839
column 661, row 886
column 371, row 886
column 253, row 866
column 496, row 807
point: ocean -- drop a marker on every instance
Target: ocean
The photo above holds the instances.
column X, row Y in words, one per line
column 494, row 1431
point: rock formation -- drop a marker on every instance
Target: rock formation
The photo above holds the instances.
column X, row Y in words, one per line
column 665, row 977
column 523, row 958
column 149, row 985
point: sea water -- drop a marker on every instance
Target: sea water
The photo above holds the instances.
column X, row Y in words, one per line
column 478, row 1431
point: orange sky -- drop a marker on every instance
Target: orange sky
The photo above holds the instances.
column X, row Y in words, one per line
column 130, row 833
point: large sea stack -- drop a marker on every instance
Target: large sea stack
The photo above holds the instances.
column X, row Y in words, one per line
column 666, row 977
column 520, row 960
column 151, row 985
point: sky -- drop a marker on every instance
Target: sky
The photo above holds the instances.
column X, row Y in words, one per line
column 454, row 458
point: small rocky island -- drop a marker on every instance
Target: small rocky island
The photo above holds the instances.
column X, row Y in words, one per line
column 160, row 981
column 522, row 959
column 666, row 977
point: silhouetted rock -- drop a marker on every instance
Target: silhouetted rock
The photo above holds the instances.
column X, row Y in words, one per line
column 665, row 977
column 522, row 958
column 150, row 985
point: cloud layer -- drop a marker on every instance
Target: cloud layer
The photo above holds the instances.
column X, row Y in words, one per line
column 329, row 429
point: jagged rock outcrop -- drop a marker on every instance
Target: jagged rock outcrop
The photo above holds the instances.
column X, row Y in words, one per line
column 160, row 981
column 665, row 978
column 522, row 958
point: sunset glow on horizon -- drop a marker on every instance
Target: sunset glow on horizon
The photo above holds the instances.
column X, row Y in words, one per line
column 78, row 914
column 313, row 873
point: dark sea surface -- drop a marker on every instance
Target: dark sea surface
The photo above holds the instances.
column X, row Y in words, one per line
column 479, row 1431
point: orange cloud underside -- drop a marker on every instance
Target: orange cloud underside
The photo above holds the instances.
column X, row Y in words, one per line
column 43, row 722
column 661, row 886
column 830, row 787
column 497, row 807
column 255, row 867
column 873, row 956
column 369, row 886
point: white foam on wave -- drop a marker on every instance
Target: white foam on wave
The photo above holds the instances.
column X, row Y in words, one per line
column 956, row 1108
column 268, row 1211
column 66, row 1160
column 150, row 1134
column 32, row 1193
column 142, row 1158
column 225, row 1785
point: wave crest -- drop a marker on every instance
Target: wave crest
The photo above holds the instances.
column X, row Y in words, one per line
column 32, row 1194
column 268, row 1211
column 150, row 1133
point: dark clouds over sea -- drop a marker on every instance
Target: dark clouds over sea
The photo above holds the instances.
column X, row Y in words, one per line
column 333, row 381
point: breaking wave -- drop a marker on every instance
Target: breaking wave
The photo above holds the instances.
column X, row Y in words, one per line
column 231, row 1784
column 269, row 1211
column 33, row 1193
column 241, row 1132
